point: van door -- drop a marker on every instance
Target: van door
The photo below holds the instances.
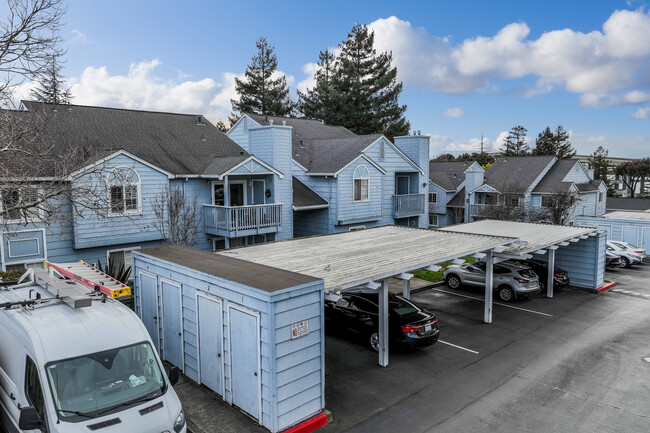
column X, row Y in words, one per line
column 210, row 334
column 244, row 360
column 172, row 323
column 34, row 391
column 149, row 306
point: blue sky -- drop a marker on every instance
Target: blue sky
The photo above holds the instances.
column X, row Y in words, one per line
column 468, row 67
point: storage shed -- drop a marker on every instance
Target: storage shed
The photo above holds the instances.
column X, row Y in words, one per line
column 632, row 227
column 251, row 333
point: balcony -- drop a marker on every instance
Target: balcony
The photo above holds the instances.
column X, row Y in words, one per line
column 407, row 205
column 235, row 221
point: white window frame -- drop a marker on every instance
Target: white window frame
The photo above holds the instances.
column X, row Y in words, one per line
column 435, row 198
column 359, row 175
column 37, row 216
column 433, row 215
column 138, row 185
column 122, row 250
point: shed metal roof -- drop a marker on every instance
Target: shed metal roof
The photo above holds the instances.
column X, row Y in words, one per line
column 534, row 237
column 249, row 274
column 351, row 259
column 645, row 215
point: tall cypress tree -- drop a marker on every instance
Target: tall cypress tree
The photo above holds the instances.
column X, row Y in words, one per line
column 259, row 92
column 50, row 87
column 515, row 143
column 361, row 92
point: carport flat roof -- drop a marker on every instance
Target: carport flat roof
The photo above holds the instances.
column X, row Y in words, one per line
column 534, row 237
column 351, row 259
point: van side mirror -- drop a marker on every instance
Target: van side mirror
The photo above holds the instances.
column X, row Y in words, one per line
column 173, row 375
column 29, row 419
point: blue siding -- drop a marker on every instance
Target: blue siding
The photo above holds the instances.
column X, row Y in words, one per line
column 292, row 371
column 92, row 230
column 349, row 211
column 638, row 228
column 584, row 261
column 443, row 198
column 239, row 132
column 577, row 174
column 311, row 222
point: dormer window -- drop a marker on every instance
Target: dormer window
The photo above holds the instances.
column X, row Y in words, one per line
column 124, row 191
column 361, row 184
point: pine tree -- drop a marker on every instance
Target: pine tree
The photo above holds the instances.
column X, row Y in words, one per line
column 515, row 143
column 600, row 164
column 563, row 149
column 361, row 91
column 259, row 92
column 50, row 85
column 319, row 102
column 545, row 143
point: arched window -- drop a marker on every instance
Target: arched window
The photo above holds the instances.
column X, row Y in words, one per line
column 124, row 191
column 361, row 183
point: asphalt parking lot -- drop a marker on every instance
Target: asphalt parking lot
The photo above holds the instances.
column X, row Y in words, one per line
column 574, row 363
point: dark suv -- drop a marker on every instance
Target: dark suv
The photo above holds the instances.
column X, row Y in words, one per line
column 356, row 312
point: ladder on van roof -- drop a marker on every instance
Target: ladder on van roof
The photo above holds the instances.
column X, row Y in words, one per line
column 91, row 277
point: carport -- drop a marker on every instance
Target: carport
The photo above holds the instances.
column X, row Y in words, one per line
column 369, row 257
column 579, row 250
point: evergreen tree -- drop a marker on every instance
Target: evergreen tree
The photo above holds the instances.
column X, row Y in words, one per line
column 545, row 143
column 554, row 143
column 222, row 126
column 50, row 85
column 259, row 92
column 515, row 143
column 359, row 90
column 319, row 102
column 600, row 164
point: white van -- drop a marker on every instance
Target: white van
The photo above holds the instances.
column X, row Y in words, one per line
column 79, row 362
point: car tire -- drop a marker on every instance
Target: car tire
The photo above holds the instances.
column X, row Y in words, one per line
column 453, row 281
column 626, row 262
column 505, row 294
column 373, row 341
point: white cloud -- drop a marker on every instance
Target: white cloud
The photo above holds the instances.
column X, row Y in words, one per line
column 310, row 70
column 79, row 38
column 605, row 67
column 454, row 112
column 443, row 144
column 628, row 147
column 641, row 113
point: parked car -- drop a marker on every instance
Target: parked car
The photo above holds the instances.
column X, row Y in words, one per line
column 612, row 260
column 560, row 276
column 510, row 280
column 356, row 311
column 628, row 258
column 629, row 248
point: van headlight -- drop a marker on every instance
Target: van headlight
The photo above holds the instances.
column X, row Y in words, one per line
column 180, row 422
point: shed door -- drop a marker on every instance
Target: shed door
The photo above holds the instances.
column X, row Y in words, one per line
column 172, row 324
column 646, row 238
column 244, row 353
column 631, row 235
column 210, row 331
column 149, row 307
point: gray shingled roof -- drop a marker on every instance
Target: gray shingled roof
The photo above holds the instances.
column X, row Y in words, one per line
column 633, row 204
column 319, row 147
column 552, row 180
column 448, row 174
column 458, row 200
column 586, row 187
column 172, row 142
column 515, row 171
column 305, row 197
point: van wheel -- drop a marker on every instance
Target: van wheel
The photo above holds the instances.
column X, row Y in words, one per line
column 506, row 294
column 453, row 281
column 626, row 262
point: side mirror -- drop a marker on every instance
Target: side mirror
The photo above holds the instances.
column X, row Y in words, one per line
column 29, row 419
column 173, row 375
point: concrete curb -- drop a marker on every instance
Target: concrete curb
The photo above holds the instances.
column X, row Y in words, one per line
column 605, row 287
column 429, row 286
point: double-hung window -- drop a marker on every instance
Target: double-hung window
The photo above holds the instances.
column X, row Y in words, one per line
column 433, row 197
column 361, row 184
column 19, row 202
column 124, row 191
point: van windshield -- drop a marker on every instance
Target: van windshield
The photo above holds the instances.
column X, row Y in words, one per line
column 91, row 385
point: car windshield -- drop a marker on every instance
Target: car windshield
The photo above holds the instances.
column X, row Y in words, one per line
column 90, row 385
column 401, row 306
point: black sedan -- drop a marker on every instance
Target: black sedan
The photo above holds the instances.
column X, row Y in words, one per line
column 560, row 276
column 356, row 312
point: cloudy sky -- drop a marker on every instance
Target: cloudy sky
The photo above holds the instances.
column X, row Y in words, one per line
column 469, row 68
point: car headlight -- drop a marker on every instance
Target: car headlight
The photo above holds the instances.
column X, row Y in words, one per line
column 180, row 422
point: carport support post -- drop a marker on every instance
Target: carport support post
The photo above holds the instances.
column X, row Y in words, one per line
column 489, row 265
column 551, row 273
column 406, row 290
column 383, row 323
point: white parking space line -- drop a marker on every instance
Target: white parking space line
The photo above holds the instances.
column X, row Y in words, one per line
column 459, row 347
column 495, row 303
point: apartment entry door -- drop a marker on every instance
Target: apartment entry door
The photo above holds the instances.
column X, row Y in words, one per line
column 402, row 185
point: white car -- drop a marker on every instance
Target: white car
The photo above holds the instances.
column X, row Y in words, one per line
column 628, row 247
column 628, row 256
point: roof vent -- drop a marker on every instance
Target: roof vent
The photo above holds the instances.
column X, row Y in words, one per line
column 241, row 152
column 266, row 119
column 284, row 123
column 302, row 144
column 270, row 121
column 199, row 121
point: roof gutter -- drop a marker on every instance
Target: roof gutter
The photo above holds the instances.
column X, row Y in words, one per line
column 314, row 207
